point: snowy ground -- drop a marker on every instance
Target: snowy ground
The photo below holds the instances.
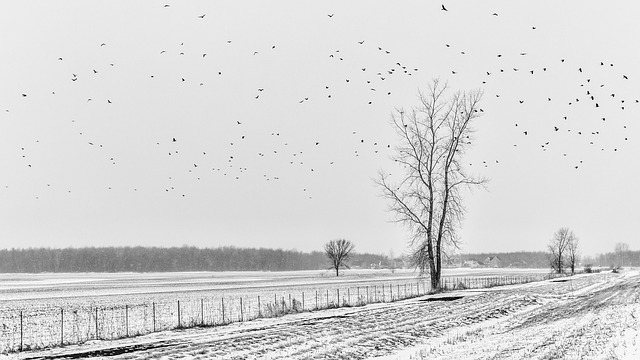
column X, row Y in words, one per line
column 589, row 316
column 25, row 287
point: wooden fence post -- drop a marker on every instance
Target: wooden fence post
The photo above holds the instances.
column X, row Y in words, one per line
column 316, row 299
column 179, row 322
column 201, row 312
column 241, row 310
column 222, row 301
column 259, row 308
column 96, row 323
column 61, row 327
column 126, row 318
column 303, row 301
column 338, row 291
column 20, row 330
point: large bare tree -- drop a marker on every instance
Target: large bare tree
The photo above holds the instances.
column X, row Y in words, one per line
column 427, row 195
column 558, row 247
column 338, row 252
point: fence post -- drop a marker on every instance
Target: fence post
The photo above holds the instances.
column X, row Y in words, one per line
column 154, row 317
column 348, row 296
column 338, row 291
column 201, row 312
column 390, row 293
column 327, row 297
column 20, row 330
column 61, row 327
column 96, row 323
column 275, row 302
column 259, row 308
column 316, row 299
column 303, row 301
column 367, row 294
column 290, row 304
column 241, row 310
column 222, row 301
column 179, row 322
column 126, row 318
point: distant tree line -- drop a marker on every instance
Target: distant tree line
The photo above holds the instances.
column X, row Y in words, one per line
column 540, row 259
column 158, row 259
column 614, row 259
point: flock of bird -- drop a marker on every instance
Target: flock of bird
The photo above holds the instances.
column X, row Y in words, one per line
column 375, row 82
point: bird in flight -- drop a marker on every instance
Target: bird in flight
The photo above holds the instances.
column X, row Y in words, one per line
column 202, row 16
column 444, row 8
column 330, row 15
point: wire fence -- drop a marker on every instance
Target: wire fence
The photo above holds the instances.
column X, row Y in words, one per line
column 38, row 329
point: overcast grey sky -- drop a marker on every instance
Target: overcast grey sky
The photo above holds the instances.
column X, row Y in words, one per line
column 280, row 114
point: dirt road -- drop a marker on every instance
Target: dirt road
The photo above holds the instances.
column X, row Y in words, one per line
column 587, row 316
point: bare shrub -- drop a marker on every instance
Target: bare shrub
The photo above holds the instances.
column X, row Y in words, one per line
column 461, row 286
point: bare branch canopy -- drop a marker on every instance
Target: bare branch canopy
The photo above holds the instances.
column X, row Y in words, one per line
column 427, row 196
column 338, row 252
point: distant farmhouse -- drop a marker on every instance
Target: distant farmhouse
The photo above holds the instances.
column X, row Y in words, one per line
column 493, row 262
column 521, row 259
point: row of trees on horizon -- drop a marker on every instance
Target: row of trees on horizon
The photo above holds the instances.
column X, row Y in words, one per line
column 156, row 259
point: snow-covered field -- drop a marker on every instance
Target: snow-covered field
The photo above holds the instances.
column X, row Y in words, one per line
column 590, row 316
column 46, row 310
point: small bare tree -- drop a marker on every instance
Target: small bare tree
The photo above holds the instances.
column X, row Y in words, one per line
column 572, row 253
column 427, row 196
column 621, row 250
column 338, row 252
column 558, row 247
